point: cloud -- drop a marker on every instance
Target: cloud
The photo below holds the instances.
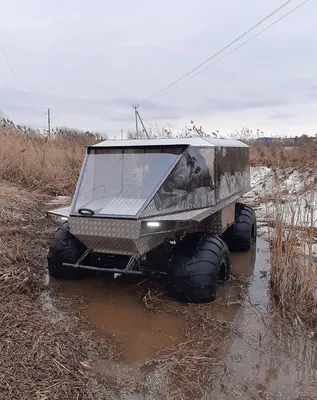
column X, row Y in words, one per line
column 90, row 61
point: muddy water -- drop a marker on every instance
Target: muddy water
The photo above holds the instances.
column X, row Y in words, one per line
column 261, row 359
column 265, row 358
column 140, row 335
column 115, row 307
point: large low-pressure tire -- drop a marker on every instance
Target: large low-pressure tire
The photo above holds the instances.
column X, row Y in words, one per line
column 241, row 236
column 196, row 267
column 65, row 248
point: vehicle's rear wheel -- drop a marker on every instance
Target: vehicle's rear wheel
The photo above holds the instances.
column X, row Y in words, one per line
column 197, row 266
column 65, row 248
column 241, row 236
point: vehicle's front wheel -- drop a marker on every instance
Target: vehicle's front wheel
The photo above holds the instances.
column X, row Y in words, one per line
column 65, row 248
column 196, row 268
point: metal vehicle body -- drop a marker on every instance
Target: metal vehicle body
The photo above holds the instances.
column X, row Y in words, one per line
column 136, row 199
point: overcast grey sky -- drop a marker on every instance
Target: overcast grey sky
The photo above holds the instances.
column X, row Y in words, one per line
column 89, row 61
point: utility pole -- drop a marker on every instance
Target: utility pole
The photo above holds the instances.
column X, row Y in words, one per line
column 136, row 119
column 147, row 135
column 49, row 123
column 121, row 134
column 137, row 116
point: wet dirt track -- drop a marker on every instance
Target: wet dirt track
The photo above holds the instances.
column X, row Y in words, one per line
column 256, row 356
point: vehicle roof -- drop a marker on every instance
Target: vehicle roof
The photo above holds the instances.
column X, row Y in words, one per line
column 195, row 141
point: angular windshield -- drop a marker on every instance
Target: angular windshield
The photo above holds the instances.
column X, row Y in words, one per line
column 118, row 181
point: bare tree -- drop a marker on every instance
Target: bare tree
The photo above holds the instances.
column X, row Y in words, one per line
column 167, row 132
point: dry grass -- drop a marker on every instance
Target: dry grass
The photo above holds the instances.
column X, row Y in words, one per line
column 294, row 275
column 275, row 156
column 34, row 162
column 294, row 272
column 40, row 359
column 292, row 232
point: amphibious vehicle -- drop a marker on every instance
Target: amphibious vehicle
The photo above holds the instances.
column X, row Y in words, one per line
column 158, row 207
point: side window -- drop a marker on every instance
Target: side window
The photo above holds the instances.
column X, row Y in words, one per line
column 189, row 186
column 232, row 173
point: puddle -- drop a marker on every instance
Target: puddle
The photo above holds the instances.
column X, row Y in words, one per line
column 261, row 359
column 140, row 334
column 116, row 309
column 265, row 359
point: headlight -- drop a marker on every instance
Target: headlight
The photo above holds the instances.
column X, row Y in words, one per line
column 156, row 227
column 153, row 224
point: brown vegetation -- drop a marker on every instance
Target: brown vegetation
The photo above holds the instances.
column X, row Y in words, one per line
column 276, row 156
column 29, row 159
column 40, row 359
column 294, row 273
column 292, row 236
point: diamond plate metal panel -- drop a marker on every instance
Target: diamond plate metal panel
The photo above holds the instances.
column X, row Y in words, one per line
column 107, row 235
column 99, row 227
column 148, row 243
column 120, row 206
column 213, row 224
column 123, row 246
column 109, row 245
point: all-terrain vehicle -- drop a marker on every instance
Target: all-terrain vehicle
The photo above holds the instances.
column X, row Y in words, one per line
column 161, row 207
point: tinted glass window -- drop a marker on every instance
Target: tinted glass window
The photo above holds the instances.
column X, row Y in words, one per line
column 190, row 185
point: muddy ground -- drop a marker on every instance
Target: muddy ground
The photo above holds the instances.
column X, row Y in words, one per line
column 124, row 339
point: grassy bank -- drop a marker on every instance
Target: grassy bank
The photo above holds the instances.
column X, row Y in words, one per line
column 276, row 156
column 31, row 160
column 294, row 273
column 40, row 357
column 291, row 218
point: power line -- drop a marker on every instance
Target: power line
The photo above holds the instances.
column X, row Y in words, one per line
column 16, row 77
column 12, row 70
column 223, row 49
column 2, row 77
column 8, row 84
column 235, row 49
